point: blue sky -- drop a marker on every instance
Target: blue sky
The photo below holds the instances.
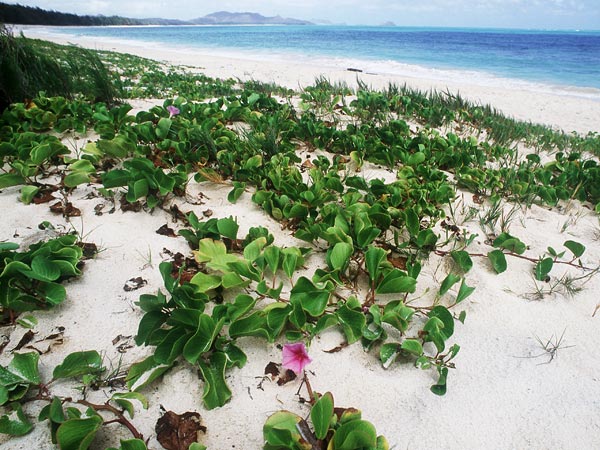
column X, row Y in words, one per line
column 543, row 14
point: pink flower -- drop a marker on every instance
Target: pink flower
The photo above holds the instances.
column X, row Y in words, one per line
column 295, row 357
column 173, row 110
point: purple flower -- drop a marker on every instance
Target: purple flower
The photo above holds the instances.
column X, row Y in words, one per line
column 173, row 110
column 295, row 357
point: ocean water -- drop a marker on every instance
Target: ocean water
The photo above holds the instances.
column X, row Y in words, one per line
column 567, row 61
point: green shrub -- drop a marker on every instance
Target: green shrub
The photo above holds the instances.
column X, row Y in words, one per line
column 29, row 66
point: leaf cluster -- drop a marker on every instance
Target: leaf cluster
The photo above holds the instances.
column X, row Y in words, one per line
column 332, row 429
column 32, row 279
column 70, row 426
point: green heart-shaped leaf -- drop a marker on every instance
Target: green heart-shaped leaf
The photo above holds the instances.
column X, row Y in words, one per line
column 576, row 248
column 313, row 299
column 78, row 434
column 79, row 363
column 395, row 282
column 15, row 424
column 498, row 260
column 216, row 391
column 321, row 415
column 203, row 339
column 338, row 257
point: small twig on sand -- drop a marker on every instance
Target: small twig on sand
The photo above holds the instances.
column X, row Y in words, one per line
column 550, row 347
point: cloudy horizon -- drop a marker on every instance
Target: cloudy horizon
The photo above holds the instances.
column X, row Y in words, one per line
column 538, row 14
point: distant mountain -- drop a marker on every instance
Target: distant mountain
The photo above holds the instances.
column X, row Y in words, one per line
column 159, row 21
column 245, row 18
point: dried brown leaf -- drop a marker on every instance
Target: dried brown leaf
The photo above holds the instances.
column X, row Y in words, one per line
column 66, row 209
column 4, row 341
column 272, row 369
column 286, row 377
column 89, row 249
column 399, row 262
column 177, row 214
column 178, row 431
column 184, row 268
column 51, row 341
column 450, row 227
column 165, row 230
column 126, row 206
column 26, row 339
column 125, row 343
column 134, row 284
column 43, row 196
column 98, row 209
column 339, row 348
column 307, row 164
column 277, row 372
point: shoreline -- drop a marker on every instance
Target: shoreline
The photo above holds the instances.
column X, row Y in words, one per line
column 560, row 110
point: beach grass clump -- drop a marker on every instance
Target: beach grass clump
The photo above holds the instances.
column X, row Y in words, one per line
column 28, row 67
column 87, row 73
column 267, row 88
column 25, row 71
column 436, row 109
column 324, row 98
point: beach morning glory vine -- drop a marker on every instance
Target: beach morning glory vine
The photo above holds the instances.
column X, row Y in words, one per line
column 295, row 357
column 173, row 110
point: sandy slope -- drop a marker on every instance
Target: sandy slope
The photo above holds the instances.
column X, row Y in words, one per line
column 501, row 394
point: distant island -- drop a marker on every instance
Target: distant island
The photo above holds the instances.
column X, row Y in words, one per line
column 245, row 18
column 27, row 15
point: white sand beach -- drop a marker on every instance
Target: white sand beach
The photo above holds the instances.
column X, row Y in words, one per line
column 507, row 391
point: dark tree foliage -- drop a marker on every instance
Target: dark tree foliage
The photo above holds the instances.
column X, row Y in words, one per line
column 27, row 15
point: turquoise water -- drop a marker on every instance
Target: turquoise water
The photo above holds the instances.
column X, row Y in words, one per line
column 549, row 58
